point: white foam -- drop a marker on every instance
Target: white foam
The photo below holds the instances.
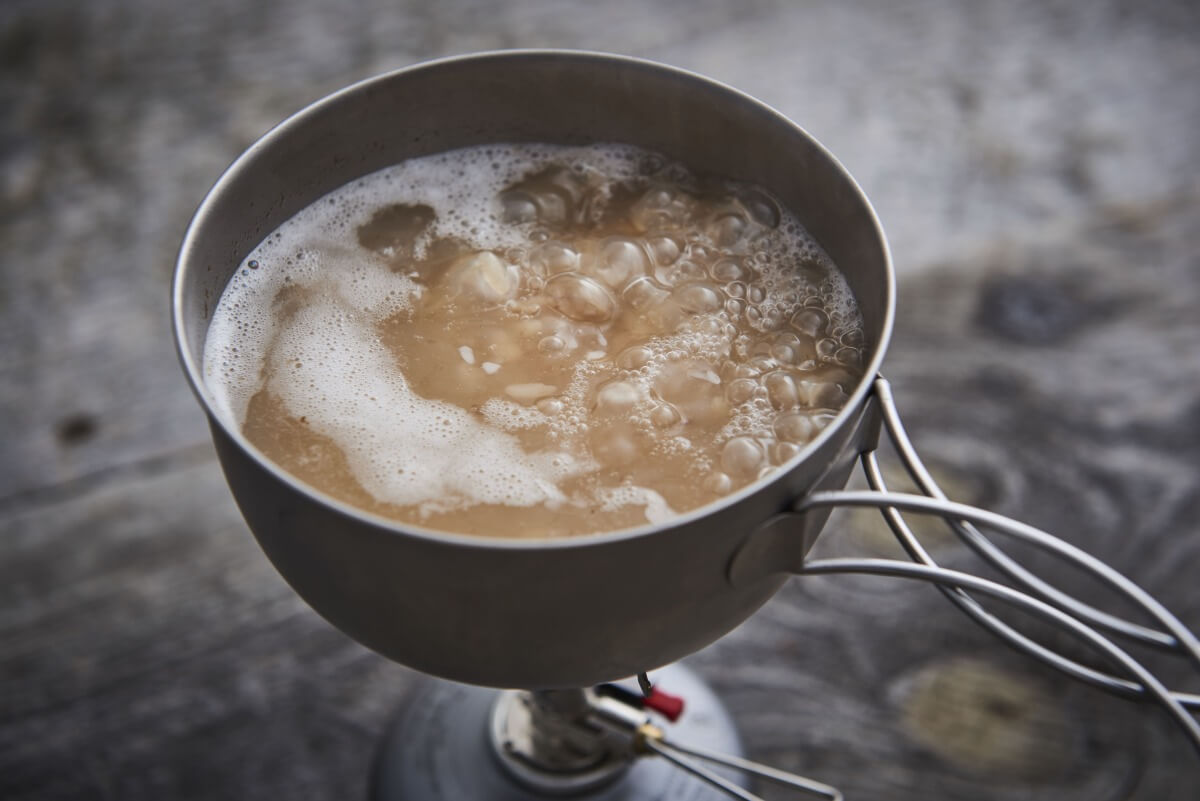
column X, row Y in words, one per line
column 401, row 448
column 510, row 416
column 244, row 325
column 326, row 364
column 657, row 510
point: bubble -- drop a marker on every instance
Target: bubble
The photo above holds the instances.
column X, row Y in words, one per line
column 820, row 394
column 811, row 321
column 709, row 326
column 742, row 457
column 789, row 348
column 643, row 293
column 784, row 451
column 664, row 249
column 838, row 376
column 726, row 270
column 702, row 254
column 740, row 390
column 550, row 406
column 481, row 278
column 681, row 272
column 634, row 357
column 826, row 348
column 726, row 230
column 666, row 315
column 618, row 262
column 761, row 208
column 665, row 416
column 552, row 257
column 781, row 389
column 526, row 308
column 823, row 418
column 797, row 427
column 694, row 388
column 718, row 483
column 784, row 354
column 616, row 397
column 518, row 207
column 551, row 345
column 659, row 207
column 849, row 357
column 591, row 338
column 698, row 298
column 579, row 298
column 772, row 319
column 735, row 289
column 761, row 364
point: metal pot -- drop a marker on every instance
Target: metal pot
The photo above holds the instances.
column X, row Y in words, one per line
column 545, row 613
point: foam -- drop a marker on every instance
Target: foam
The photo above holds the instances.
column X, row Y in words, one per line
column 402, row 449
column 509, row 416
column 655, row 506
column 461, row 186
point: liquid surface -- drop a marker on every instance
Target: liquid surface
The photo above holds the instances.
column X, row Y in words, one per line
column 535, row 341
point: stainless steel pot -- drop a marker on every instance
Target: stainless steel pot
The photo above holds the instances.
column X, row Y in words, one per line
column 549, row 613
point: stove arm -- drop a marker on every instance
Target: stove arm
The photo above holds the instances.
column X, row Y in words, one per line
column 685, row 759
column 617, row 715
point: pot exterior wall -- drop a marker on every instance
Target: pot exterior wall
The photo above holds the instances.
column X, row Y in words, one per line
column 552, row 613
column 485, row 612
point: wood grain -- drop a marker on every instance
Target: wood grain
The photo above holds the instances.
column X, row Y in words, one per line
column 1035, row 165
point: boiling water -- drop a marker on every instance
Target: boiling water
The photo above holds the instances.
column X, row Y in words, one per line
column 534, row 341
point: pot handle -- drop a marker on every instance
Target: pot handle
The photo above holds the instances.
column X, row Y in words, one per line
column 772, row 545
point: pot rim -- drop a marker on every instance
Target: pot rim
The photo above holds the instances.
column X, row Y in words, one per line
column 195, row 373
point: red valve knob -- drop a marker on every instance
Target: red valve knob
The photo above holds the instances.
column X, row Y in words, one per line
column 665, row 704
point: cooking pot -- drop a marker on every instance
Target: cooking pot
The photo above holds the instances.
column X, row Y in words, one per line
column 546, row 613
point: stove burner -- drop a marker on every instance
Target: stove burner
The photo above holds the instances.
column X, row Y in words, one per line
column 447, row 744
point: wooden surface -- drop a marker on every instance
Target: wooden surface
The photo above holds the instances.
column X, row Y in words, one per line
column 1035, row 164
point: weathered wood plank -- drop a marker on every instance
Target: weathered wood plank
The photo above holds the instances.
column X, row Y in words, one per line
column 1034, row 163
column 148, row 648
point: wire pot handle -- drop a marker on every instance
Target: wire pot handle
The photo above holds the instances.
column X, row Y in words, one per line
column 1024, row 589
